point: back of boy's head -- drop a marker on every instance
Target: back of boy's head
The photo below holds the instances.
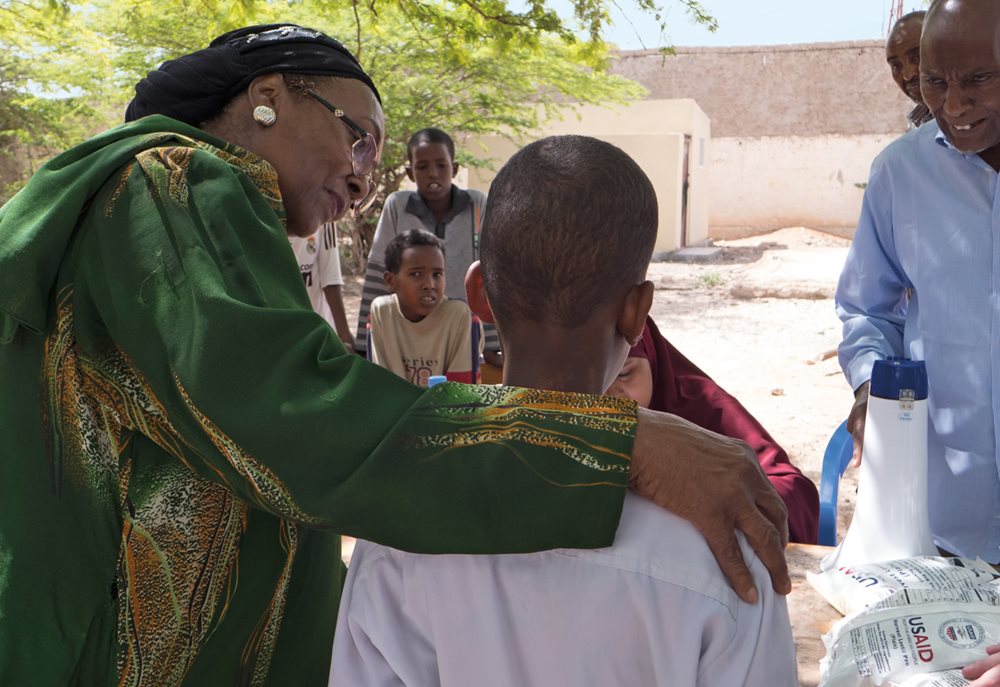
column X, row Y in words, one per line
column 570, row 225
column 430, row 135
column 408, row 239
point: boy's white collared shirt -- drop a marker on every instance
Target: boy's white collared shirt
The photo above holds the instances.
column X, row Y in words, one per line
column 654, row 609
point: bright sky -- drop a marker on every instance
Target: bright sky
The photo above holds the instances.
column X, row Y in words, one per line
column 758, row 22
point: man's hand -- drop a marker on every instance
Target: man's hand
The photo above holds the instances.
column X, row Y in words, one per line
column 856, row 422
column 985, row 672
column 716, row 483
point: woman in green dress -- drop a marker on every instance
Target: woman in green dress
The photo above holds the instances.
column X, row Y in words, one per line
column 184, row 440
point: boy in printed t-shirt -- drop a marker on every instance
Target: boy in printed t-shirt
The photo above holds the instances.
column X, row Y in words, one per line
column 566, row 244
column 417, row 331
column 438, row 206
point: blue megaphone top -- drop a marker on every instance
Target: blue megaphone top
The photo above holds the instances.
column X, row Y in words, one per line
column 891, row 376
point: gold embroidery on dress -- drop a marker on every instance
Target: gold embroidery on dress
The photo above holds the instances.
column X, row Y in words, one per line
column 179, row 553
column 269, row 491
column 168, row 166
column 515, row 418
column 260, row 172
column 109, row 207
column 259, row 649
column 180, row 544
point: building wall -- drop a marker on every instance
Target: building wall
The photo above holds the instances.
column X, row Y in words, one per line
column 760, row 184
column 652, row 133
column 795, row 127
column 778, row 90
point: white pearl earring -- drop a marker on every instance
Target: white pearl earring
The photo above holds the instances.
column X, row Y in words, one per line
column 264, row 115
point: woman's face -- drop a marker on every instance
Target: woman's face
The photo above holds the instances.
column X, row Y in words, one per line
column 310, row 148
column 635, row 381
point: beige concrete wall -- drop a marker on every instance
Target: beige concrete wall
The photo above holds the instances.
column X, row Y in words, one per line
column 765, row 183
column 778, row 90
column 795, row 127
column 652, row 133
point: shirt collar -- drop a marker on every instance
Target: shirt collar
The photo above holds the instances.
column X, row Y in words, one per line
column 943, row 141
column 920, row 114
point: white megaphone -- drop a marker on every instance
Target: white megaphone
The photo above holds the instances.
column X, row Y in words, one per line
column 891, row 519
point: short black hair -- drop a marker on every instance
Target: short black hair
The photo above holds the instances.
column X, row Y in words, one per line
column 429, row 135
column 408, row 239
column 570, row 224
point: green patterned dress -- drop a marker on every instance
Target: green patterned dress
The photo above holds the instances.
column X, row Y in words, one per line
column 183, row 440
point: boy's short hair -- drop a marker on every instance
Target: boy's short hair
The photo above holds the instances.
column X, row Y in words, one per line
column 408, row 239
column 570, row 224
column 429, row 135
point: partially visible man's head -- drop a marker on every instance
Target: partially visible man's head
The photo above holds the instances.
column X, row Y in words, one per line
column 960, row 72
column 568, row 230
column 902, row 52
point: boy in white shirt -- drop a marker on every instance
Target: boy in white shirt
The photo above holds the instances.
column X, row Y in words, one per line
column 565, row 246
column 319, row 263
column 416, row 331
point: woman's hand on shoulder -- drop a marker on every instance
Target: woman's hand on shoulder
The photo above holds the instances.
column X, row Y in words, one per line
column 716, row 483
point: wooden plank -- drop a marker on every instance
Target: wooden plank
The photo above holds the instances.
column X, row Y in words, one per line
column 810, row 614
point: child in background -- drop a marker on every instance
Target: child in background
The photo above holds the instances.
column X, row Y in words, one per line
column 319, row 263
column 438, row 206
column 657, row 376
column 417, row 331
column 566, row 243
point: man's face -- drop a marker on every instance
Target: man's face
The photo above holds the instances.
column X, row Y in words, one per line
column 960, row 78
column 419, row 284
column 902, row 52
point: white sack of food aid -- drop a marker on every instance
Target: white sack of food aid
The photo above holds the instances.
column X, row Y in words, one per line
column 944, row 678
column 850, row 589
column 887, row 645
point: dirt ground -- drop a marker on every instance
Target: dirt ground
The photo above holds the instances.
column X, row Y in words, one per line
column 759, row 319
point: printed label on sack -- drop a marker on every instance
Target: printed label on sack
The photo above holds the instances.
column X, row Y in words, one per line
column 962, row 633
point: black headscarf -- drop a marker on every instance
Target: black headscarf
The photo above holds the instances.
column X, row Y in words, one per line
column 196, row 87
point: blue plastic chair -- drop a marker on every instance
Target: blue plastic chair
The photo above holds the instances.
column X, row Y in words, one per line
column 838, row 454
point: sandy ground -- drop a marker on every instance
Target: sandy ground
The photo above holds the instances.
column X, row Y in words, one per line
column 759, row 318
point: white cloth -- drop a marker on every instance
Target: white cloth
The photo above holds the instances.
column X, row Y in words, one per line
column 653, row 609
column 319, row 263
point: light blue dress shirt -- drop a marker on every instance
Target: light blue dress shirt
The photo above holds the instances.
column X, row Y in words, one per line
column 922, row 279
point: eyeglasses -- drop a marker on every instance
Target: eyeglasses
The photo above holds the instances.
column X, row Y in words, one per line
column 364, row 153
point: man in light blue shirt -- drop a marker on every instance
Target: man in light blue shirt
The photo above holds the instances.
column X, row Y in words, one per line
column 922, row 278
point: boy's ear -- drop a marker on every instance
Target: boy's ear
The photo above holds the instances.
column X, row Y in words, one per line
column 475, row 293
column 454, row 168
column 389, row 278
column 409, row 173
column 632, row 319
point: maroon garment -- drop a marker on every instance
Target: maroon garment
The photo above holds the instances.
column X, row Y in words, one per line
column 679, row 387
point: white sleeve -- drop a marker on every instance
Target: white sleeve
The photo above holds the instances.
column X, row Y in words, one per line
column 328, row 257
column 356, row 659
column 761, row 650
column 381, row 638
